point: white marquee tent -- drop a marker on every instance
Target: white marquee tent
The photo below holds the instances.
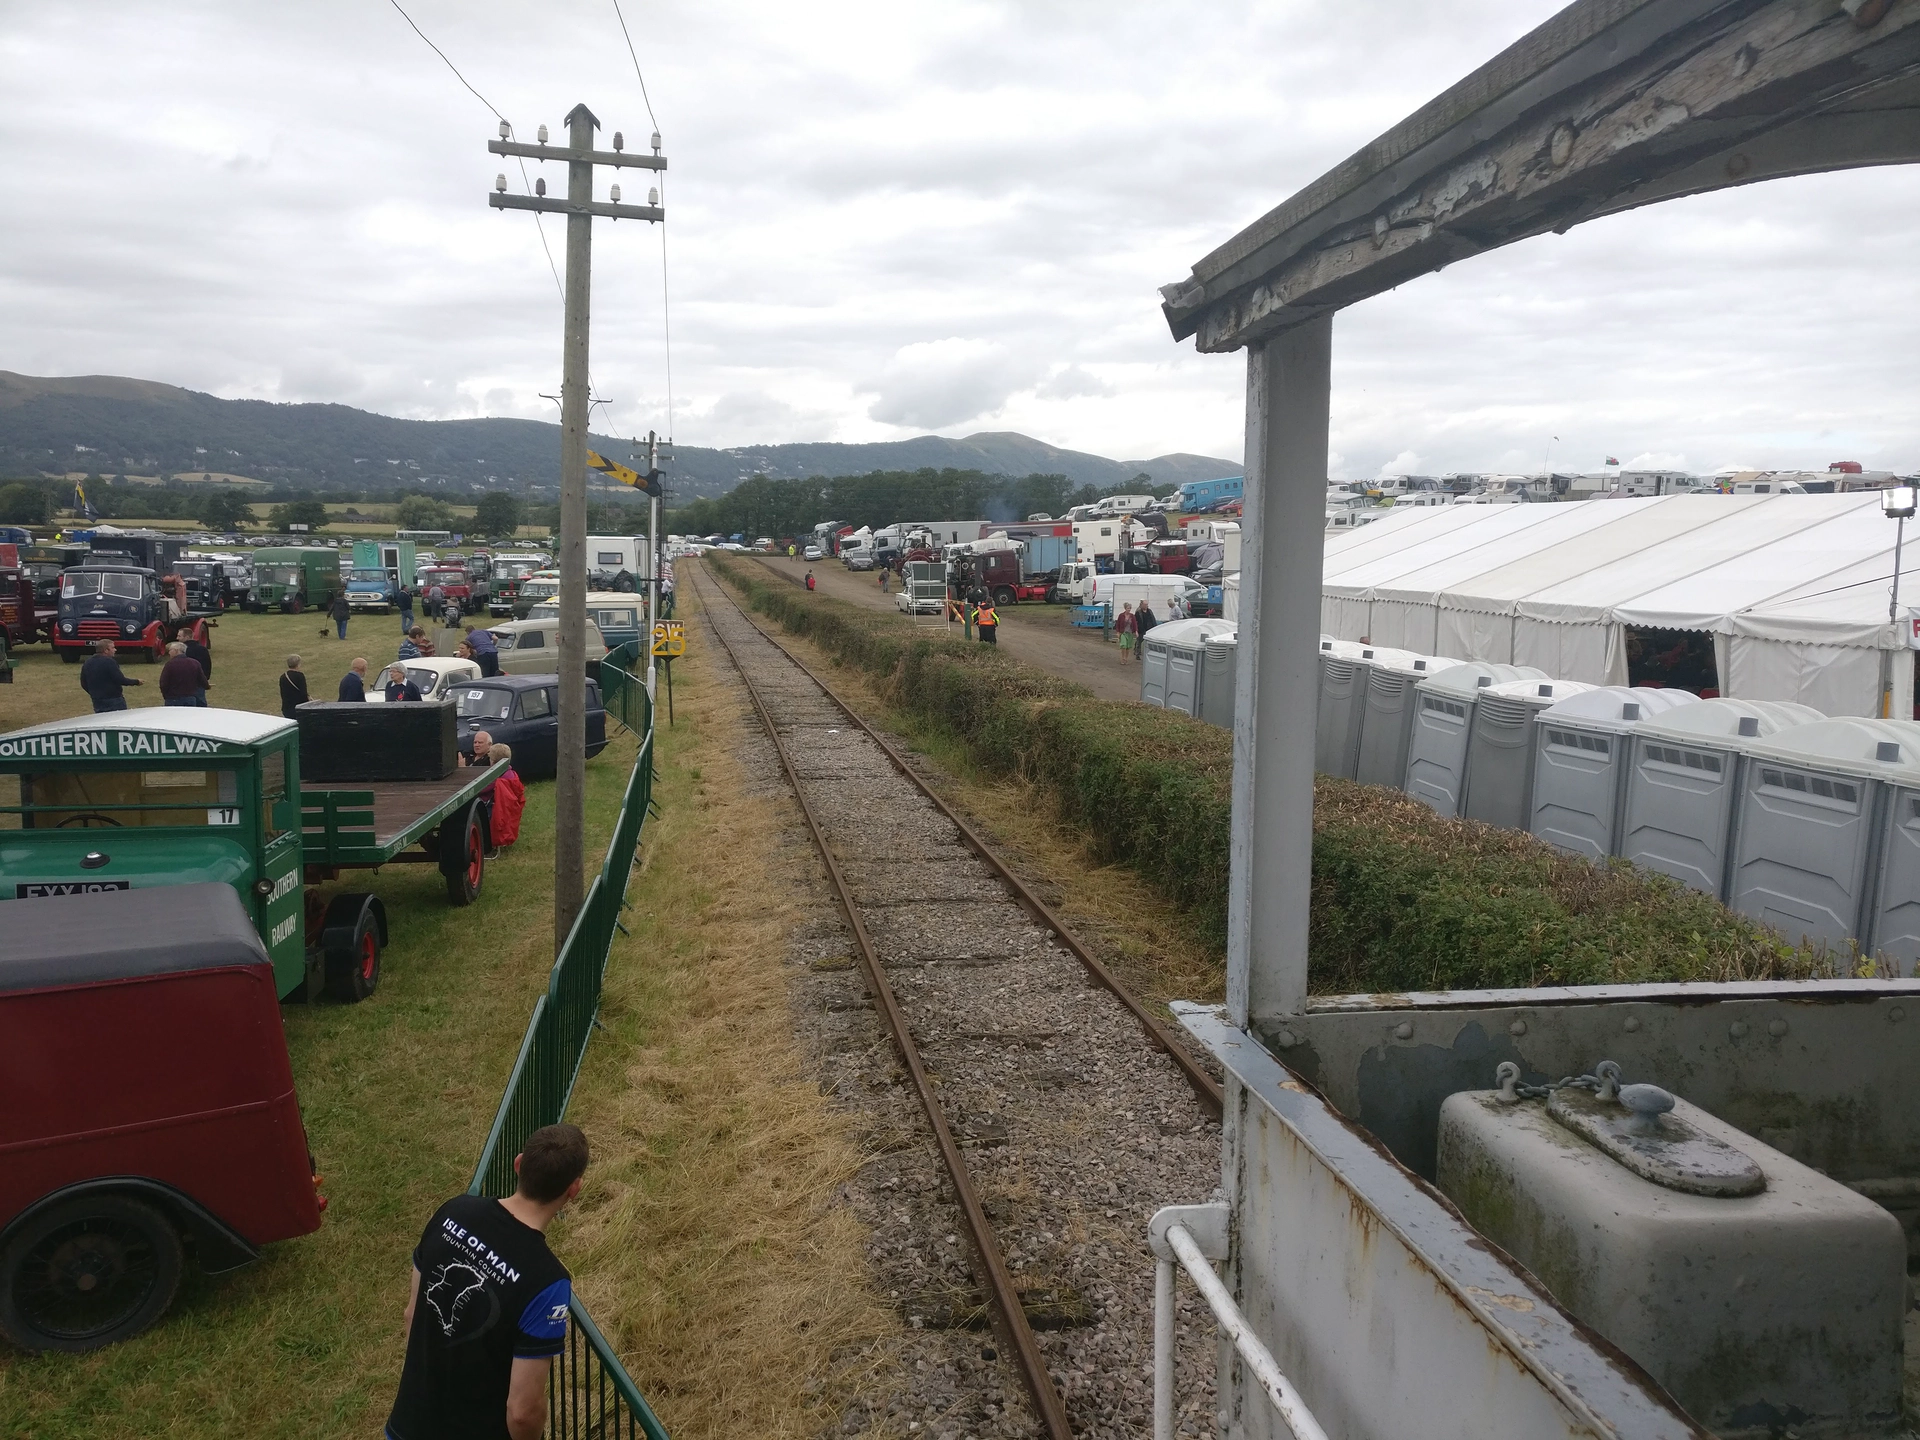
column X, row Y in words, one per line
column 1793, row 589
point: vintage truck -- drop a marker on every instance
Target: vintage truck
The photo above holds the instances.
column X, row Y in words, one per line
column 292, row 578
column 111, row 600
column 181, row 795
column 503, row 587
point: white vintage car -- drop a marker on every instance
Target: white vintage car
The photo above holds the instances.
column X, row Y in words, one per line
column 435, row 676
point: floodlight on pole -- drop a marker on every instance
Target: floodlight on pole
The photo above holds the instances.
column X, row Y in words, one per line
column 1897, row 504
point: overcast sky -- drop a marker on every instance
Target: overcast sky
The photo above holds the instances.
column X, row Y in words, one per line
column 890, row 219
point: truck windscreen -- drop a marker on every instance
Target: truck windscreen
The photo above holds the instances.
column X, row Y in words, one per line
column 79, row 584
column 127, row 799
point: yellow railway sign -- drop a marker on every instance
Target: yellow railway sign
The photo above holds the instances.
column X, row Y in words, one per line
column 613, row 470
column 670, row 638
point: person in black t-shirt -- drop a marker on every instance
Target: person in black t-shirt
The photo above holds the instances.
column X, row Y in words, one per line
column 488, row 1310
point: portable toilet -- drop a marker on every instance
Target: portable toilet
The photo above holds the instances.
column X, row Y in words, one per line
column 1892, row 932
column 1343, row 703
column 1500, row 750
column 1387, row 725
column 1683, row 783
column 1216, row 685
column 1581, row 764
column 1812, row 802
column 1171, row 660
column 1442, row 722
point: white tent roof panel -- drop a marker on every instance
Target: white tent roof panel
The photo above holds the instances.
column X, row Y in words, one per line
column 1568, row 523
column 1421, row 547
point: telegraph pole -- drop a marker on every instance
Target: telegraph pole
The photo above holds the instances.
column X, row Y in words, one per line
column 570, row 780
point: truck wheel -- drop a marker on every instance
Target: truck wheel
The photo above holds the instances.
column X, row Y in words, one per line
column 353, row 957
column 463, row 854
column 70, row 655
column 1003, row 596
column 88, row 1272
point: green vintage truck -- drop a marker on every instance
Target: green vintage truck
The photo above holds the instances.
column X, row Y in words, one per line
column 282, row 572
column 180, row 794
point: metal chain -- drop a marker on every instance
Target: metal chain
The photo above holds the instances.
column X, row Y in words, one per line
column 1604, row 1082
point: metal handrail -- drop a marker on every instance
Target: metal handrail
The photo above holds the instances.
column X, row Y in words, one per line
column 1172, row 1238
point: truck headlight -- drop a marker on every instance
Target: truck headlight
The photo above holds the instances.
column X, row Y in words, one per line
column 66, row 627
column 131, row 628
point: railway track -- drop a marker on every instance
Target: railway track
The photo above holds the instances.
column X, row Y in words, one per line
column 1020, row 1049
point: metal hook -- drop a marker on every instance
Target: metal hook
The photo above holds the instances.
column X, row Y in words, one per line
column 1608, row 1074
column 1508, row 1075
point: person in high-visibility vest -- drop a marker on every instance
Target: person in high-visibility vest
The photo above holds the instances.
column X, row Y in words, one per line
column 988, row 619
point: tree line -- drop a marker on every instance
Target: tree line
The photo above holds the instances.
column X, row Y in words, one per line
column 775, row 508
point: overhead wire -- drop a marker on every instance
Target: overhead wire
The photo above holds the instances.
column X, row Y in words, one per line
column 666, row 294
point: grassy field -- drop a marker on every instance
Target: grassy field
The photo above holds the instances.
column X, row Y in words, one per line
column 397, row 1093
column 709, row 1243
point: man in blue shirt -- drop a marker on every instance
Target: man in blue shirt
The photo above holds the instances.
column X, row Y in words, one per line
column 353, row 684
column 488, row 1310
column 101, row 677
column 486, row 653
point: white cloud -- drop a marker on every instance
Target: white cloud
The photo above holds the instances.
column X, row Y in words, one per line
column 938, row 384
column 887, row 219
column 1405, row 463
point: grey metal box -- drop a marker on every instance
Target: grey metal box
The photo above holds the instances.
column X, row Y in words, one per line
column 1763, row 1315
column 1894, row 934
column 1580, row 766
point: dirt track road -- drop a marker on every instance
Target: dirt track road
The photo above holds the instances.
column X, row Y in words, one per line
column 1038, row 634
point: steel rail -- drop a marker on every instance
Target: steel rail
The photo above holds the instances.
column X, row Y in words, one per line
column 1033, row 1366
column 1203, row 1083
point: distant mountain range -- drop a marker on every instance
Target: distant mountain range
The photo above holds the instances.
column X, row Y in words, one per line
column 111, row 425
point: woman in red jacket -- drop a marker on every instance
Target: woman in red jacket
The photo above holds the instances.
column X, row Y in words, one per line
column 509, row 799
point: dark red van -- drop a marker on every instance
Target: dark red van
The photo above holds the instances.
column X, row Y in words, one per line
column 149, row 1107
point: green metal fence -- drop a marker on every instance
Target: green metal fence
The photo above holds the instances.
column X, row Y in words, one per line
column 589, row 1393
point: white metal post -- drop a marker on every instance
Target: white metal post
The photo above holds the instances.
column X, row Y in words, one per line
column 1289, row 383
column 1163, row 1350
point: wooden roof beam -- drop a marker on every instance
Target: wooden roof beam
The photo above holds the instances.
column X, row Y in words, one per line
column 1647, row 102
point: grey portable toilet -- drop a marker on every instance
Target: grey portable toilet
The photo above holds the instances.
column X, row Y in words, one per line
column 1683, row 785
column 1442, row 721
column 1343, row 703
column 1171, row 662
column 1581, row 765
column 1813, row 802
column 1216, row 684
column 1386, row 727
column 1892, row 932
column 1500, row 751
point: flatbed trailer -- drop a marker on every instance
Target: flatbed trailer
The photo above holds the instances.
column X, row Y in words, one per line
column 182, row 795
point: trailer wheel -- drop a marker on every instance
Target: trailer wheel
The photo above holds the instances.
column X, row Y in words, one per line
column 88, row 1272
column 353, row 955
column 463, row 854
column 1003, row 596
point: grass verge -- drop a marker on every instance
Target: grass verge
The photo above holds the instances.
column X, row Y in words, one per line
column 710, row 1245
column 1402, row 898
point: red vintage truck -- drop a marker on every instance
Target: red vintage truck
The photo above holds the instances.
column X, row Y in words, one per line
column 149, row 1114
column 454, row 582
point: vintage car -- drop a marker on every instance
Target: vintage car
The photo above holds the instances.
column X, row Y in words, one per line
column 522, row 711
column 437, row 677
column 532, row 647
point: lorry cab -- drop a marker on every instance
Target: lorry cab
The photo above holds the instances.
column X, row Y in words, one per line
column 105, row 600
column 208, row 590
column 508, row 571
column 453, row 582
column 370, row 590
column 158, row 797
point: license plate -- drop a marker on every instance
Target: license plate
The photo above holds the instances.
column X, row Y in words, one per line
column 42, row 890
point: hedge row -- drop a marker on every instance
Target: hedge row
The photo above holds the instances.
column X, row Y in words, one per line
column 1402, row 898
